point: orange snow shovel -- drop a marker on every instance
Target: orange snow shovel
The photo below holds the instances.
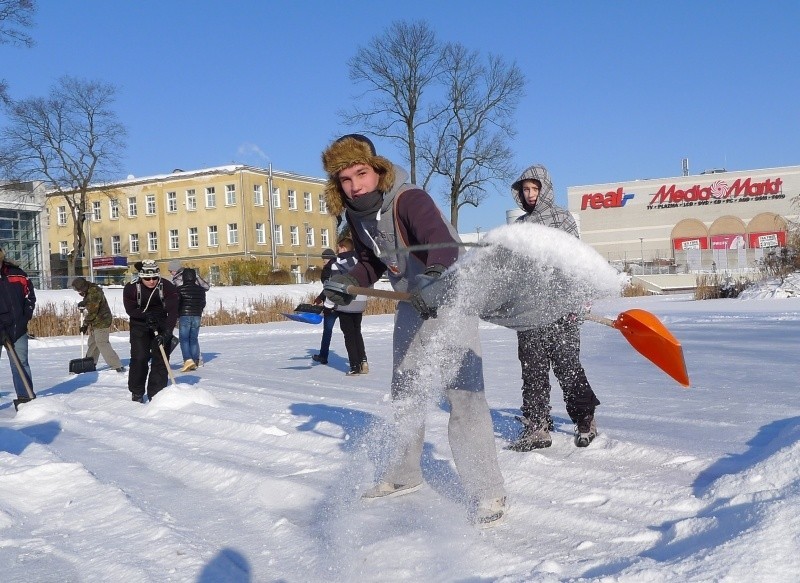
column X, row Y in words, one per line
column 643, row 330
column 651, row 339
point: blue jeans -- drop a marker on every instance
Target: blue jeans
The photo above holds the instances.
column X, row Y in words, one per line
column 188, row 332
column 328, row 322
column 21, row 348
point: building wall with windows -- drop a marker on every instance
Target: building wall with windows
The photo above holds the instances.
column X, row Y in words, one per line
column 21, row 234
column 203, row 217
column 724, row 219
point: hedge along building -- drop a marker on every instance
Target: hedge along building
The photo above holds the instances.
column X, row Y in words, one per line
column 205, row 218
column 720, row 220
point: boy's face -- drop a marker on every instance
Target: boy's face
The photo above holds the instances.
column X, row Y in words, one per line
column 358, row 180
column 530, row 192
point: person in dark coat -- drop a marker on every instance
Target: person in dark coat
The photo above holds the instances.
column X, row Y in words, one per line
column 192, row 292
column 17, row 302
column 556, row 344
column 329, row 314
column 385, row 213
column 351, row 315
column 152, row 304
column 96, row 323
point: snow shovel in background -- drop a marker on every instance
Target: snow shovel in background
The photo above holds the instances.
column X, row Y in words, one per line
column 651, row 339
column 306, row 313
column 82, row 364
column 641, row 329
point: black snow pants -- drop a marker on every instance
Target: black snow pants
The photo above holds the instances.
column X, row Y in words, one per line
column 350, row 323
column 146, row 358
column 556, row 345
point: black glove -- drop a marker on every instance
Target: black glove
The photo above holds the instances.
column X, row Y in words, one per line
column 152, row 322
column 417, row 299
column 164, row 339
column 335, row 289
column 84, row 328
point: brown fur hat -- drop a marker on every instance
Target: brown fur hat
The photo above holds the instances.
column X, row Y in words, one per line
column 348, row 151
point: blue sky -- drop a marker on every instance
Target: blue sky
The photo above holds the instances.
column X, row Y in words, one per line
column 615, row 90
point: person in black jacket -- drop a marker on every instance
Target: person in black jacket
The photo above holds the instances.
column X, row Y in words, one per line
column 329, row 314
column 152, row 304
column 17, row 302
column 192, row 292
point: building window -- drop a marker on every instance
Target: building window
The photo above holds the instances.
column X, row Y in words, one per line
column 307, row 202
column 213, row 236
column 133, row 242
column 309, row 236
column 292, row 198
column 294, row 236
column 96, row 213
column 172, row 202
column 113, row 208
column 323, row 205
column 194, row 238
column 233, row 233
column 63, row 250
column 261, row 234
column 276, row 198
column 116, row 245
column 62, row 215
column 258, row 196
column 132, row 211
column 150, row 202
column 152, row 241
column 173, row 239
column 98, row 247
column 324, row 238
column 191, row 200
column 211, row 197
column 277, row 234
column 230, row 195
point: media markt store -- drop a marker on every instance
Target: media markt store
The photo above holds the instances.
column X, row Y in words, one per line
column 705, row 222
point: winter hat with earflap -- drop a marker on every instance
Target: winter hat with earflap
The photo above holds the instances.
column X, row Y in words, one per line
column 348, row 151
column 149, row 269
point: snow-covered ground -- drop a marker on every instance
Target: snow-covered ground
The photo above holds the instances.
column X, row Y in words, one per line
column 250, row 469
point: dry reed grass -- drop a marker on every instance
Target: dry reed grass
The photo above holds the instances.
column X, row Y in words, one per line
column 55, row 320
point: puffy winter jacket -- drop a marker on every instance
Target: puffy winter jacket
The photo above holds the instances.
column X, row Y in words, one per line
column 192, row 293
column 17, row 301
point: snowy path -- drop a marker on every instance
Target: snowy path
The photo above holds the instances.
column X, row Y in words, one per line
column 250, row 469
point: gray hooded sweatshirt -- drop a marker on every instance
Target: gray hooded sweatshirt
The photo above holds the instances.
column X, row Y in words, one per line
column 545, row 211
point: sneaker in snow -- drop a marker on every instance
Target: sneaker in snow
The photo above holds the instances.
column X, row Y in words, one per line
column 585, row 431
column 319, row 359
column 387, row 490
column 533, row 436
column 353, row 371
column 364, row 367
column 189, row 365
column 491, row 512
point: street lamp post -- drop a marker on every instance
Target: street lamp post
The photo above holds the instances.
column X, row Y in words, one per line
column 87, row 216
column 641, row 249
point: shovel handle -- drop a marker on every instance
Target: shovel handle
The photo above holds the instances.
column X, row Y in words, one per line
column 600, row 319
column 354, row 290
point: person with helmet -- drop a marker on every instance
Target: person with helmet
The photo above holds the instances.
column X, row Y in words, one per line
column 152, row 305
column 96, row 322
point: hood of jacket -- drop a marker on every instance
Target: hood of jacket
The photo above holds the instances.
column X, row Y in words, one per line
column 546, row 198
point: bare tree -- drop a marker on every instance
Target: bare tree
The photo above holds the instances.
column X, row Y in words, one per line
column 469, row 148
column 397, row 67
column 15, row 16
column 70, row 140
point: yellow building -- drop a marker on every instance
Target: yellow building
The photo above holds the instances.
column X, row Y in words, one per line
column 204, row 218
